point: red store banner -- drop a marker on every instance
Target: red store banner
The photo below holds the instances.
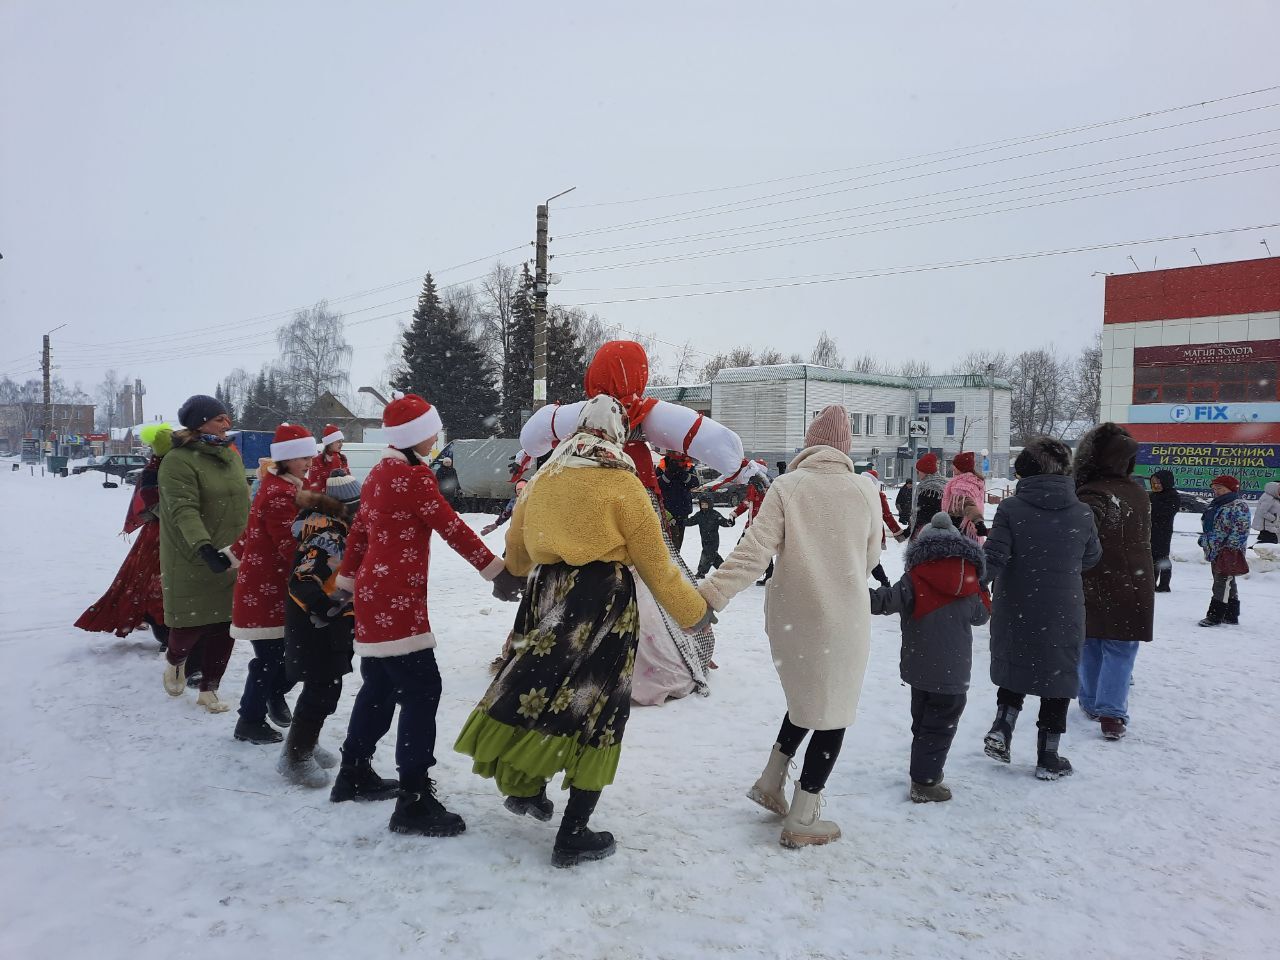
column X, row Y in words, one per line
column 1193, row 354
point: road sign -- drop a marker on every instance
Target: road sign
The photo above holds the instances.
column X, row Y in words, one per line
column 918, row 428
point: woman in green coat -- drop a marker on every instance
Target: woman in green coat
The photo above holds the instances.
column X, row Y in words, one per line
column 204, row 506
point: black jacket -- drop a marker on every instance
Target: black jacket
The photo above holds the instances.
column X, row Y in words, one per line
column 447, row 479
column 903, row 503
column 709, row 522
column 1164, row 507
column 677, row 482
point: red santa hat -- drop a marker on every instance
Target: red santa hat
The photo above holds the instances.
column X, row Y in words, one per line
column 330, row 435
column 291, row 442
column 408, row 420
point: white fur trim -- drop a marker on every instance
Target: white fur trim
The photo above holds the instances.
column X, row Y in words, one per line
column 345, row 583
column 491, row 572
column 397, row 648
column 292, row 449
column 391, row 453
column 334, row 437
column 407, row 435
column 257, row 633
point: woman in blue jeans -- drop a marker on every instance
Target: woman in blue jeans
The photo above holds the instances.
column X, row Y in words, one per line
column 1119, row 592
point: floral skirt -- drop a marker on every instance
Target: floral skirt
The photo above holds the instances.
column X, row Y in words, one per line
column 135, row 594
column 562, row 698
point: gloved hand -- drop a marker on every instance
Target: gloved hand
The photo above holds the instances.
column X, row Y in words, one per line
column 981, row 527
column 339, row 600
column 902, row 535
column 215, row 560
column 507, row 586
column 321, row 619
column 707, row 620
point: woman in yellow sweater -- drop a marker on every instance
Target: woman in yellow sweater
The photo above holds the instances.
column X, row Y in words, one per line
column 562, row 698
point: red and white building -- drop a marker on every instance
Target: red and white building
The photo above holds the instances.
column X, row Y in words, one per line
column 1191, row 365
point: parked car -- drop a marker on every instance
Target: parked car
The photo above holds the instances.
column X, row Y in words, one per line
column 117, row 465
column 729, row 495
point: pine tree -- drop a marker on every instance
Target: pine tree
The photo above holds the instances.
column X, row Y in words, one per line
column 566, row 363
column 445, row 364
column 517, row 372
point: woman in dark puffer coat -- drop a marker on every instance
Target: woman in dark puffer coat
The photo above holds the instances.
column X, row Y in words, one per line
column 1165, row 503
column 1119, row 592
column 1041, row 540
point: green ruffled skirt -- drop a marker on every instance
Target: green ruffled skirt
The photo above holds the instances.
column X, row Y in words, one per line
column 562, row 698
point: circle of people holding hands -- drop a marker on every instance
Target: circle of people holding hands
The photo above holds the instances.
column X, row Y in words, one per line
column 320, row 567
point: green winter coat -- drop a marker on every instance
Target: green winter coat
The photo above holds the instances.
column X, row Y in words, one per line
column 203, row 499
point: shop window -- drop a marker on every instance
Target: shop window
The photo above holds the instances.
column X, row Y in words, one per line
column 1206, row 383
column 951, row 426
column 871, row 424
column 855, row 424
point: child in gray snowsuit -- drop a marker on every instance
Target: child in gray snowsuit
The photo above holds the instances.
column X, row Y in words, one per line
column 940, row 599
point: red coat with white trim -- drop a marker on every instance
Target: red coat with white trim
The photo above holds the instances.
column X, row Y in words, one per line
column 752, row 501
column 266, row 550
column 389, row 552
column 321, row 467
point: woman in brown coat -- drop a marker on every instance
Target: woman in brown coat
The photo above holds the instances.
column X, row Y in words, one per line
column 1119, row 592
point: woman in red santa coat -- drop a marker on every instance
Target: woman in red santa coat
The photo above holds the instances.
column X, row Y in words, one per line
column 385, row 570
column 266, row 550
column 331, row 458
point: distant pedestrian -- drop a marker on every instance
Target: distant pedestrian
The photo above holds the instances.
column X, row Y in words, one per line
column 750, row 505
column 940, row 599
column 331, row 458
column 1041, row 541
column 903, row 502
column 676, row 481
column 1266, row 515
column 1225, row 535
column 447, row 480
column 708, row 521
column 204, row 505
column 965, row 497
column 1165, row 504
column 1119, row 590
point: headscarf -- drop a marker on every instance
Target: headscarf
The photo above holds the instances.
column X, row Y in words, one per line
column 620, row 369
column 597, row 441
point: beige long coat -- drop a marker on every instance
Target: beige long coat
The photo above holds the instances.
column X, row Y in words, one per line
column 822, row 522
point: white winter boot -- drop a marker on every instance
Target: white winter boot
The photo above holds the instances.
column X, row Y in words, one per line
column 209, row 700
column 770, row 791
column 301, row 771
column 175, row 678
column 803, row 827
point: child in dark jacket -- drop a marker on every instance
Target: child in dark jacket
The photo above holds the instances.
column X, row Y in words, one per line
column 708, row 522
column 939, row 599
column 319, row 637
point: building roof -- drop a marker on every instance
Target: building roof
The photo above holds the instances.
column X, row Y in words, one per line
column 809, row 371
column 682, row 393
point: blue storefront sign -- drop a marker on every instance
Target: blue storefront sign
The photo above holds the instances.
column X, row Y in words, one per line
column 1194, row 465
column 1204, row 413
column 936, row 406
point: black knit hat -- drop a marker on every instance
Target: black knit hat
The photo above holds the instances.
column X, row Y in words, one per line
column 199, row 410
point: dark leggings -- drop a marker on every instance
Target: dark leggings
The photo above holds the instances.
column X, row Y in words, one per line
column 819, row 759
column 1053, row 710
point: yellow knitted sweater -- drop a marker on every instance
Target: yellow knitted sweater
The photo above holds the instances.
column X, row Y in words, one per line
column 583, row 514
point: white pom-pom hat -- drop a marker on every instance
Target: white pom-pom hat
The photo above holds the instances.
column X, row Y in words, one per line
column 408, row 420
column 292, row 441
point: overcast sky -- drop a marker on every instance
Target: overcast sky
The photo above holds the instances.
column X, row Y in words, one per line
column 172, row 172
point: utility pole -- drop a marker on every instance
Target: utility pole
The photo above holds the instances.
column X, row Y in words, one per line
column 991, row 413
column 47, row 419
column 540, row 302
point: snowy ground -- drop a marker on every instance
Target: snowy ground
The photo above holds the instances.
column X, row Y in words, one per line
column 134, row 826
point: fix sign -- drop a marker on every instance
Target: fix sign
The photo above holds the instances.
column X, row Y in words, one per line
column 1204, row 413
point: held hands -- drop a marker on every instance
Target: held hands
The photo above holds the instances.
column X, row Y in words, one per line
column 215, row 560
column 707, row 620
column 902, row 535
column 507, row 587
column 339, row 600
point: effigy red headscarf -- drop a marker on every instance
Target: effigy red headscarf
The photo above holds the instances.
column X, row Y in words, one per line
column 620, row 369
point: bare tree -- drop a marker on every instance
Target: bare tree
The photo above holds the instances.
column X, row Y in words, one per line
column 796, row 358
column 497, row 292
column 914, row 368
column 314, row 357
column 865, row 363
column 1086, row 383
column 976, row 361
column 685, row 362
column 107, row 394
column 1039, row 387
column 769, row 357
column 826, row 352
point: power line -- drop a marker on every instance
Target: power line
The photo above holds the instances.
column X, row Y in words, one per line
column 836, row 215
column 899, row 224
column 979, row 147
column 815, row 279
column 740, row 206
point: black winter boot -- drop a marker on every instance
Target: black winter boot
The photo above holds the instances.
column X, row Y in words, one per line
column 419, row 812
column 256, row 731
column 1217, row 610
column 1164, row 575
column 1231, row 615
column 357, row 780
column 575, row 841
column 1001, row 733
column 539, row 806
column 278, row 710
column 1050, row 766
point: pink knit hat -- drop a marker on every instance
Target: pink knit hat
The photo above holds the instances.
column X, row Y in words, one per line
column 830, row 428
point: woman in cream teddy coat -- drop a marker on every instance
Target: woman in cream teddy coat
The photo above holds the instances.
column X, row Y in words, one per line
column 822, row 522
